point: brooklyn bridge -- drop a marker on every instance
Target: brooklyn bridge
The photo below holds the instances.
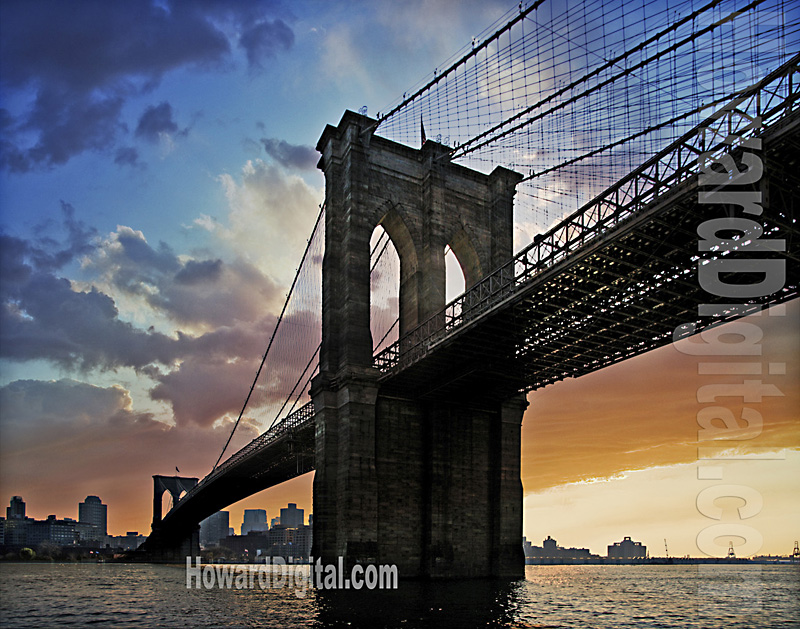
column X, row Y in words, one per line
column 607, row 182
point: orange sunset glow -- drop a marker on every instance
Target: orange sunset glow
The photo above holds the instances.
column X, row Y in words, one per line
column 609, row 454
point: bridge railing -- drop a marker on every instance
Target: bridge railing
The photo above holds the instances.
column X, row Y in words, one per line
column 295, row 420
column 763, row 104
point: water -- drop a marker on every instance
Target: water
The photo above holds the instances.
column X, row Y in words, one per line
column 116, row 595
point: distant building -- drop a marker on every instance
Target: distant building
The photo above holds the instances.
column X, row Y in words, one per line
column 249, row 546
column 130, row 541
column 92, row 511
column 274, row 522
column 88, row 535
column 254, row 520
column 214, row 528
column 292, row 517
column 551, row 552
column 61, row 532
column 16, row 525
column 627, row 549
column 294, row 544
column 15, row 532
column 16, row 510
column 303, row 538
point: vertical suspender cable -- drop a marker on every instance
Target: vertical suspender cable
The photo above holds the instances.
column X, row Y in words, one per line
column 274, row 332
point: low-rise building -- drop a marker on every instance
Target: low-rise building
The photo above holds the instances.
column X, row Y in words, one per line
column 627, row 549
column 551, row 552
column 61, row 532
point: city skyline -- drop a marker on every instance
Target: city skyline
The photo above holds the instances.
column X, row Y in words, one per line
column 153, row 209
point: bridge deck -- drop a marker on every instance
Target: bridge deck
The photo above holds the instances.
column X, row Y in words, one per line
column 613, row 280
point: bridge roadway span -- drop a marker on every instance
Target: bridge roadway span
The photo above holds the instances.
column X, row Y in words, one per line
column 613, row 280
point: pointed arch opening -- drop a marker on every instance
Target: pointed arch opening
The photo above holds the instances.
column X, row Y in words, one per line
column 467, row 258
column 166, row 502
column 384, row 293
column 455, row 282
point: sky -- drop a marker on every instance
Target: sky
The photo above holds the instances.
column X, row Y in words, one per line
column 158, row 183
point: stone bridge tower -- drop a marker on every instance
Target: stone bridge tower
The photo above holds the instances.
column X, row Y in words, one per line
column 431, row 485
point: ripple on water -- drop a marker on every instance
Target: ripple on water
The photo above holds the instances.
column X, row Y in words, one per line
column 114, row 595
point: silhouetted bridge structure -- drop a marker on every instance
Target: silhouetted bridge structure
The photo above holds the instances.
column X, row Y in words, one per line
column 417, row 446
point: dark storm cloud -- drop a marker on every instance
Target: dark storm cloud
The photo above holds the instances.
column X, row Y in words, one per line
column 223, row 311
column 291, row 155
column 44, row 318
column 208, row 384
column 48, row 254
column 63, row 401
column 196, row 272
column 262, row 41
column 19, row 257
column 127, row 156
column 155, row 121
column 195, row 291
column 83, row 60
column 202, row 391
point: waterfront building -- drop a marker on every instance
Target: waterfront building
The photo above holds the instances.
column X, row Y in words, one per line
column 292, row 517
column 278, row 541
column 15, row 524
column 250, row 546
column 88, row 535
column 93, row 511
column 254, row 520
column 214, row 528
column 627, row 549
column 130, row 541
column 60, row 532
column 16, row 510
column 301, row 542
column 551, row 552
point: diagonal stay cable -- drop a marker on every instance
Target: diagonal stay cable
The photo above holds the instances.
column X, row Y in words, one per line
column 619, row 142
column 295, row 387
column 469, row 146
column 274, row 333
column 302, row 377
column 439, row 76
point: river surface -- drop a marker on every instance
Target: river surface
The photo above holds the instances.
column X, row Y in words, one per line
column 119, row 595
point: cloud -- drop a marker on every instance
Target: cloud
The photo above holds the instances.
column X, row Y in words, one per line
column 198, row 272
column 270, row 216
column 127, row 156
column 199, row 293
column 643, row 412
column 291, row 155
column 95, row 442
column 157, row 121
column 201, row 391
column 215, row 317
column 81, row 62
column 44, row 318
column 263, row 40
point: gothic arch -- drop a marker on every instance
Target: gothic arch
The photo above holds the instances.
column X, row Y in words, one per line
column 401, row 237
column 467, row 257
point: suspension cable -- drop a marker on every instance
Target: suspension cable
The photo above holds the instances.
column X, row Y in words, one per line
column 638, row 134
column 465, row 147
column 274, row 333
column 438, row 77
